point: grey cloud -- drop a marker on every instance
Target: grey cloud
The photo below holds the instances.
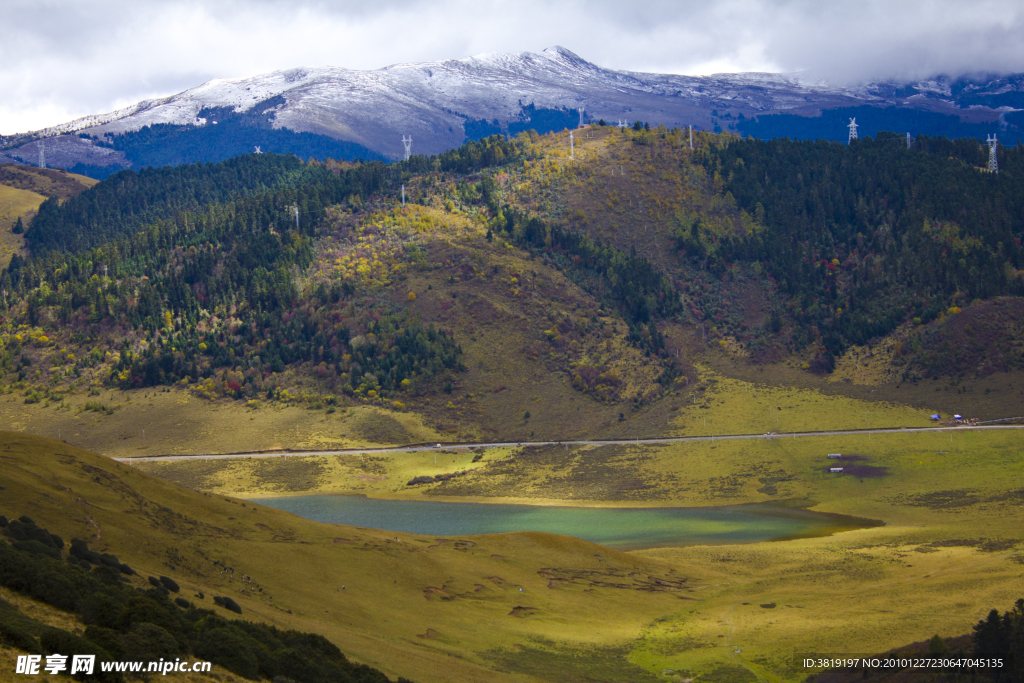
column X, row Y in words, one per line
column 65, row 59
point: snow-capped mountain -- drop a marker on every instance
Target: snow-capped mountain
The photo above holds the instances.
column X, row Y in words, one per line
column 433, row 102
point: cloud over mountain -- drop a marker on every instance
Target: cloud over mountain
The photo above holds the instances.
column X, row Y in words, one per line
column 62, row 60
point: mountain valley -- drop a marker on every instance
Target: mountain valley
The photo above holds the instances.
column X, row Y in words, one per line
column 605, row 283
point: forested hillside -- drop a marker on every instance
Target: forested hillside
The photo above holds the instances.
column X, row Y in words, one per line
column 842, row 244
column 267, row 278
column 860, row 239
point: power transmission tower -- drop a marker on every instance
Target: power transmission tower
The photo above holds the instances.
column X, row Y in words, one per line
column 403, row 195
column 42, row 154
column 408, row 146
column 993, row 162
column 623, row 124
column 580, row 110
column 258, row 150
column 908, row 140
column 572, row 147
column 853, row 131
column 691, row 136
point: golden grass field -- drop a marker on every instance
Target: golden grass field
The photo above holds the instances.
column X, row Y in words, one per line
column 14, row 203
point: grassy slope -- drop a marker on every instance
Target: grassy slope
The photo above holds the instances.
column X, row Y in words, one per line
column 14, row 204
column 22, row 190
column 397, row 586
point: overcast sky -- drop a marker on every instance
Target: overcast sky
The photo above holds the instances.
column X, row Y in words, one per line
column 61, row 59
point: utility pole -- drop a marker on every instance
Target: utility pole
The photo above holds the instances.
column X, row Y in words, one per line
column 908, row 140
column 42, row 153
column 403, row 195
column 691, row 136
column 572, row 147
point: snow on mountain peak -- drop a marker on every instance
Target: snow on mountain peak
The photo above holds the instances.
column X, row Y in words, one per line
column 436, row 101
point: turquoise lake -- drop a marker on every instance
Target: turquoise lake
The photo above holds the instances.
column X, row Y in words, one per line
column 620, row 528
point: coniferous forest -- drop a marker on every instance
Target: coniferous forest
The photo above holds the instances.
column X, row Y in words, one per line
column 862, row 238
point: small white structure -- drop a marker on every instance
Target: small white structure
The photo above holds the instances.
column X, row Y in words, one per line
column 834, row 456
column 835, row 469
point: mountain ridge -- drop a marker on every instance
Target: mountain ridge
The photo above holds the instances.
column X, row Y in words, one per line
column 436, row 103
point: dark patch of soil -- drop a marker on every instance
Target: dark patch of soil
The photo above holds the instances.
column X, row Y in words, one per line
column 520, row 611
column 288, row 474
column 193, row 474
column 382, row 429
column 431, row 592
column 859, row 471
column 1013, row 497
column 770, row 479
column 942, row 500
column 985, row 545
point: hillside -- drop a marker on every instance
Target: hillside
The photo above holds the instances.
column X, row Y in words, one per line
column 519, row 292
column 411, row 606
column 22, row 190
